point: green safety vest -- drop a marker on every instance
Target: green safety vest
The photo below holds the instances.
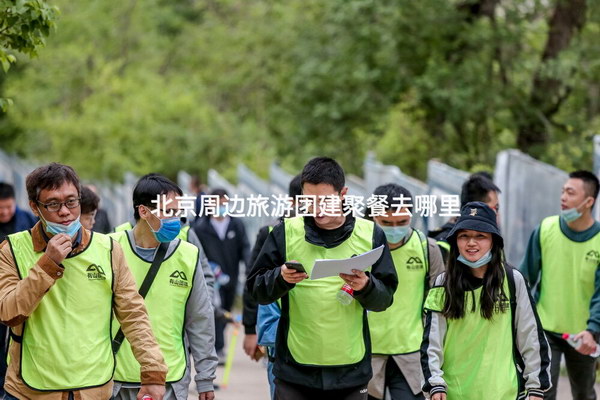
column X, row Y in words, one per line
column 166, row 303
column 66, row 342
column 322, row 331
column 478, row 353
column 568, row 277
column 183, row 233
column 444, row 245
column 399, row 329
column 125, row 226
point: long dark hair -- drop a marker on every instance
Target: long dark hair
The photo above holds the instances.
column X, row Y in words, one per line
column 456, row 284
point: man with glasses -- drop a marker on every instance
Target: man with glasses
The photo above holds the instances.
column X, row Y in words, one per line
column 59, row 287
column 168, row 271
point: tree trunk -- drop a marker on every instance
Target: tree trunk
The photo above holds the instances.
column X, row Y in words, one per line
column 548, row 93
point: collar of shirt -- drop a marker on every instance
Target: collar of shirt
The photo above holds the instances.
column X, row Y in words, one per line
column 582, row 236
column 325, row 237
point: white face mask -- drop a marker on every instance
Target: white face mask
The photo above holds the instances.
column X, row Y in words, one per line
column 485, row 259
column 395, row 234
column 572, row 214
column 54, row 229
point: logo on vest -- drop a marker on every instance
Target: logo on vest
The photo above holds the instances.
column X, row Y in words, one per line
column 502, row 305
column 178, row 279
column 593, row 256
column 414, row 264
column 95, row 273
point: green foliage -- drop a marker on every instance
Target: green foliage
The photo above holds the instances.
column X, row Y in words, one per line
column 24, row 25
column 199, row 84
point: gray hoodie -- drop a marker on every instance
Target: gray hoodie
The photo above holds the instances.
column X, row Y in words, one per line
column 199, row 334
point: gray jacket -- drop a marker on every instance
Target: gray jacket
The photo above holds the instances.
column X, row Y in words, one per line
column 199, row 333
column 531, row 344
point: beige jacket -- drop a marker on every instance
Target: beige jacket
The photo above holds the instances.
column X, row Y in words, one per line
column 19, row 298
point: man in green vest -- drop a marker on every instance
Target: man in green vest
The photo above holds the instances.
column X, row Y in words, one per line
column 59, row 287
column 561, row 263
column 178, row 300
column 323, row 347
column 396, row 333
column 189, row 236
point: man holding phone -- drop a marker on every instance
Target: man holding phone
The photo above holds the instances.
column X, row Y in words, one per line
column 323, row 346
column 296, row 266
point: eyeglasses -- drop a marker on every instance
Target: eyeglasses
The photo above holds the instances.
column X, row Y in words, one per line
column 55, row 206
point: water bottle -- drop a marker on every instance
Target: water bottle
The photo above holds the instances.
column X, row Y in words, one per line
column 576, row 343
column 346, row 294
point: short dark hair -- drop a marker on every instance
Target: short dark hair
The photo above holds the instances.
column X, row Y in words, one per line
column 485, row 174
column 7, row 191
column 219, row 192
column 391, row 191
column 50, row 176
column 89, row 200
column 295, row 187
column 590, row 182
column 323, row 170
column 477, row 188
column 148, row 188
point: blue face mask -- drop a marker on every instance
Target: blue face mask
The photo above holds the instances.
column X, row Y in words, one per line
column 169, row 229
column 395, row 234
column 221, row 212
column 487, row 257
column 54, row 229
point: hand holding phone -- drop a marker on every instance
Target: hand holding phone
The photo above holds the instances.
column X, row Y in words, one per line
column 296, row 266
column 293, row 272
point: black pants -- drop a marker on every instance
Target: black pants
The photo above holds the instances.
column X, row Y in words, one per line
column 290, row 391
column 580, row 368
column 397, row 384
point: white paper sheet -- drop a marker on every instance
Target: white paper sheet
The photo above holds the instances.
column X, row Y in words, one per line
column 325, row 268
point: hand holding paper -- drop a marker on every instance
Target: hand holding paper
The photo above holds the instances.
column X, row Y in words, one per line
column 325, row 268
column 357, row 281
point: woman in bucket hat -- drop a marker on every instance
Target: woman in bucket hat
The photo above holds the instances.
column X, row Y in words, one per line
column 482, row 334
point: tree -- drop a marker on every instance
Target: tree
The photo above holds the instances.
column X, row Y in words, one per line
column 24, row 25
column 550, row 86
column 199, row 84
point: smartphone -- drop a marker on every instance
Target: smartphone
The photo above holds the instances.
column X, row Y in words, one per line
column 296, row 266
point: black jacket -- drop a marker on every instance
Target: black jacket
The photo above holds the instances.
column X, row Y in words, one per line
column 227, row 253
column 250, row 313
column 266, row 285
column 102, row 223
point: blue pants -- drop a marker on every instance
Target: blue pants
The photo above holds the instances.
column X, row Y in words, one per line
column 271, row 354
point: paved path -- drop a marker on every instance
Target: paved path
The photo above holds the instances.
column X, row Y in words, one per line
column 248, row 380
